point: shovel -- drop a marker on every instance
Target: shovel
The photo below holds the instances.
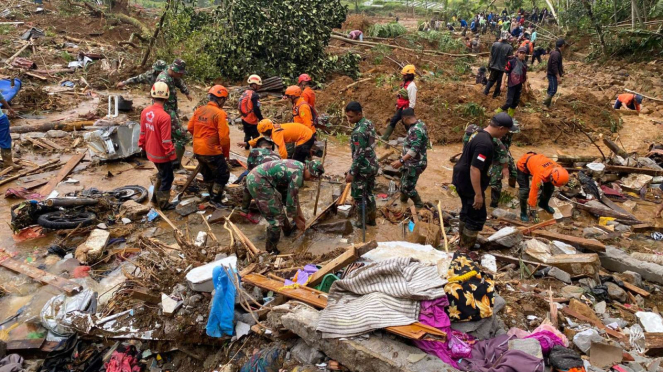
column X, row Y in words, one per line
column 188, row 182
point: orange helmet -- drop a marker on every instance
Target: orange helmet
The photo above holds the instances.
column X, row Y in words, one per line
column 303, row 77
column 219, row 91
column 560, row 176
column 293, row 91
column 264, row 125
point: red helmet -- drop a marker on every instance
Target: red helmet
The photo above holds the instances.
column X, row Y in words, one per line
column 303, row 77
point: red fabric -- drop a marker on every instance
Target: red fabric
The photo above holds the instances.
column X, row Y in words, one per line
column 155, row 135
column 246, row 107
column 81, row 272
column 122, row 362
column 22, row 193
column 402, row 102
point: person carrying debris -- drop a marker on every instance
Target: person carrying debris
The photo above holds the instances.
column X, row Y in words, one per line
column 304, row 82
column 413, row 159
column 406, row 98
column 516, row 80
column 283, row 134
column 285, row 178
column 555, row 70
column 538, row 52
column 302, row 112
column 499, row 52
column 148, row 77
column 5, row 137
column 630, row 100
column 249, row 109
column 470, row 177
column 261, row 153
column 173, row 78
column 546, row 174
column 155, row 139
column 211, row 142
column 364, row 166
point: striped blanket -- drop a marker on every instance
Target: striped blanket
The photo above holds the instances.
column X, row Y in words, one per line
column 379, row 295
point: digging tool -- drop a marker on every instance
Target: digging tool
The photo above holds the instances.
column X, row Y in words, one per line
column 444, row 233
column 188, row 182
column 363, row 216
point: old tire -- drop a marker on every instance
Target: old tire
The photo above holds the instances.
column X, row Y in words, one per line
column 131, row 192
column 61, row 220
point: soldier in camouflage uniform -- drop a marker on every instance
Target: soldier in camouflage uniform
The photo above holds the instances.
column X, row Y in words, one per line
column 148, row 77
column 173, row 77
column 261, row 154
column 276, row 184
column 413, row 158
column 364, row 166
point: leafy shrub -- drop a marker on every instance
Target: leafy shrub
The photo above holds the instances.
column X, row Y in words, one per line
column 393, row 29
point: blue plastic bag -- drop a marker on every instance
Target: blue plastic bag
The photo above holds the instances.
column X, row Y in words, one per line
column 221, row 316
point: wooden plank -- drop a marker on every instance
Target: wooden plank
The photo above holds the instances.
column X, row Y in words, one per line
column 590, row 244
column 351, row 255
column 635, row 289
column 310, row 296
column 16, row 346
column 36, row 183
column 64, row 172
column 629, row 170
column 51, row 143
column 42, row 276
column 654, row 344
column 618, row 335
column 515, row 260
column 144, row 294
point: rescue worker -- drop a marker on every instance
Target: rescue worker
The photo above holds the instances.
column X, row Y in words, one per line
column 155, row 139
column 413, row 158
column 283, row 178
column 406, row 98
column 631, row 101
column 249, row 109
column 261, row 153
column 308, row 94
column 470, row 177
column 211, row 142
column 364, row 166
column 499, row 53
column 555, row 70
column 282, row 135
column 148, row 77
column 538, row 52
column 173, row 78
column 516, row 80
column 546, row 174
column 528, row 45
column 302, row 112
column 5, row 137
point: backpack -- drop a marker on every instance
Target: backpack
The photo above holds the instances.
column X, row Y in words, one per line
column 245, row 104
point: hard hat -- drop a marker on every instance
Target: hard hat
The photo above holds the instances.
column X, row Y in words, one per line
column 160, row 90
column 254, row 79
column 638, row 98
column 219, row 91
column 303, row 77
column 315, row 168
column 560, row 176
column 264, row 125
column 159, row 65
column 293, row 91
column 408, row 69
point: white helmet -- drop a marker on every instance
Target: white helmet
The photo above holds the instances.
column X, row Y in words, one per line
column 160, row 90
column 254, row 79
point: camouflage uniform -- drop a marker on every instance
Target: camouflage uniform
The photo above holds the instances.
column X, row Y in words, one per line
column 257, row 156
column 150, row 76
column 178, row 132
column 364, row 166
column 415, row 144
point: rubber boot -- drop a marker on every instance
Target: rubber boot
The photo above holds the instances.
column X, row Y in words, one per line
column 511, row 111
column 371, row 214
column 163, row 201
column 387, row 133
column 289, row 227
column 272, row 241
column 468, row 239
column 548, row 101
column 417, row 201
column 499, row 109
column 404, row 198
column 177, row 163
column 216, row 195
column 157, row 186
column 246, row 201
column 494, row 197
column 523, row 211
column 7, row 159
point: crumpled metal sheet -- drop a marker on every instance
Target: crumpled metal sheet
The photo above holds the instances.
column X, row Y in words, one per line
column 57, row 314
column 115, row 142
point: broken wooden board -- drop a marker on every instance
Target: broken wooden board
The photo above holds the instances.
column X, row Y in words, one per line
column 310, row 296
column 515, row 260
column 349, row 256
column 590, row 244
column 654, row 344
column 64, row 172
column 618, row 335
column 629, row 170
column 42, row 276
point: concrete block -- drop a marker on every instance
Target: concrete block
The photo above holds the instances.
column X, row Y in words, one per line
column 306, row 354
column 604, row 355
column 583, row 340
column 614, row 259
column 615, row 292
column 188, row 206
column 93, row 246
column 577, row 264
column 507, row 237
column 378, row 353
column 425, row 233
column 168, row 305
column 133, row 210
column 200, row 278
column 558, row 247
column 560, row 274
column 632, row 277
column 530, row 346
column 342, row 227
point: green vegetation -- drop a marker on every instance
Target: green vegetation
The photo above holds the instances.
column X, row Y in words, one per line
column 5, row 29
column 66, row 56
column 472, row 109
column 387, row 30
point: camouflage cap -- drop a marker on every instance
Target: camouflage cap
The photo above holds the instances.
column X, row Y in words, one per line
column 178, row 66
column 315, row 168
column 159, row 65
column 472, row 128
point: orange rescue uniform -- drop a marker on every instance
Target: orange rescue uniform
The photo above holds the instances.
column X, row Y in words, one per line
column 302, row 114
column 211, row 134
column 628, row 99
column 287, row 133
column 539, row 167
column 309, row 96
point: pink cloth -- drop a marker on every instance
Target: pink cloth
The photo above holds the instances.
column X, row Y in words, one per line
column 354, row 35
column 547, row 340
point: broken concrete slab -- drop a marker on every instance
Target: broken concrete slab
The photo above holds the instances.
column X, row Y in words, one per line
column 560, row 275
column 93, row 247
column 529, row 346
column 507, row 237
column 425, row 233
column 188, row 206
column 342, row 227
column 168, row 305
column 615, row 292
column 577, row 264
column 614, row 259
column 558, row 247
column 306, row 354
column 604, row 355
column 132, row 210
column 378, row 353
column 583, row 340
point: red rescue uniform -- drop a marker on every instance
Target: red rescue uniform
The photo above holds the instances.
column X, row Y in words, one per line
column 155, row 134
column 209, row 127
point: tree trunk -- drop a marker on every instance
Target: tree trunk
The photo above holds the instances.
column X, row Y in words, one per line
column 597, row 25
column 156, row 34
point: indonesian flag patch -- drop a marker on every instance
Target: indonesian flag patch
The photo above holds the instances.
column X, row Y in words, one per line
column 481, row 157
